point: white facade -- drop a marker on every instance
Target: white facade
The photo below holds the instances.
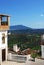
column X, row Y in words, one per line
column 42, row 46
column 42, row 51
column 4, row 26
column 3, row 45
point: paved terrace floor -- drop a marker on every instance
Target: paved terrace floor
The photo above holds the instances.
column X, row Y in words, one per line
column 37, row 62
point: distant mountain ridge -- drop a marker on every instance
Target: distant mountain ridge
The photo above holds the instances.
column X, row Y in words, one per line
column 20, row 29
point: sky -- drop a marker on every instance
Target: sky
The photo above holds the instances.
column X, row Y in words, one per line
column 29, row 13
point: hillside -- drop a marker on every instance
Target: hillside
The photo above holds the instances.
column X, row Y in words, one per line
column 24, row 38
column 20, row 29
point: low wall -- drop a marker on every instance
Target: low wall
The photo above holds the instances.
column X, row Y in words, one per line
column 14, row 57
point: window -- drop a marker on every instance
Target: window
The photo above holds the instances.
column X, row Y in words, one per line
column 3, row 38
column 4, row 20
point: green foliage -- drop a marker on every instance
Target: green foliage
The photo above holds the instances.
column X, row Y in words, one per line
column 36, row 48
column 33, row 55
column 24, row 41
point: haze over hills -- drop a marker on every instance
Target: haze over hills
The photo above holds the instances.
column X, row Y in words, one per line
column 21, row 29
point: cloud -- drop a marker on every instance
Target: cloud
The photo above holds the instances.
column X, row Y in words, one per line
column 41, row 15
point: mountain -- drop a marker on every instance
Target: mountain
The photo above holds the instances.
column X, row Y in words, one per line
column 38, row 31
column 20, row 29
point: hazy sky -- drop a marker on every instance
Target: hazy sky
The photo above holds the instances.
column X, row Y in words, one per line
column 24, row 12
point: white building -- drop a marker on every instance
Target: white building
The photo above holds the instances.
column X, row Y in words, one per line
column 42, row 46
column 15, row 48
column 4, row 26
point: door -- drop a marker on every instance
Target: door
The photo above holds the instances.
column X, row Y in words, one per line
column 3, row 55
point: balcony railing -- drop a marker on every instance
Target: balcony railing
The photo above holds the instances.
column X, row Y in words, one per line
column 4, row 23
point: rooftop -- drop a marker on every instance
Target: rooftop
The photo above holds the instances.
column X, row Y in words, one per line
column 4, row 15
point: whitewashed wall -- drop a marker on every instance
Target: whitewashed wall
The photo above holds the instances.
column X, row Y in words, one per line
column 3, row 45
column 42, row 50
column 15, row 48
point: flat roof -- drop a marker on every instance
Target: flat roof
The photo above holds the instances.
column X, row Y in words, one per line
column 4, row 15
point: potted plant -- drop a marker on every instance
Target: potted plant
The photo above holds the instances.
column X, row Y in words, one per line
column 33, row 55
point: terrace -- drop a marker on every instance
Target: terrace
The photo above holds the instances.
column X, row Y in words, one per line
column 37, row 62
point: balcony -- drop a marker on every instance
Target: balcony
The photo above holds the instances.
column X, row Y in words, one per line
column 4, row 27
column 4, row 23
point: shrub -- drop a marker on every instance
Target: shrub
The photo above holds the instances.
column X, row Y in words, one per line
column 33, row 55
